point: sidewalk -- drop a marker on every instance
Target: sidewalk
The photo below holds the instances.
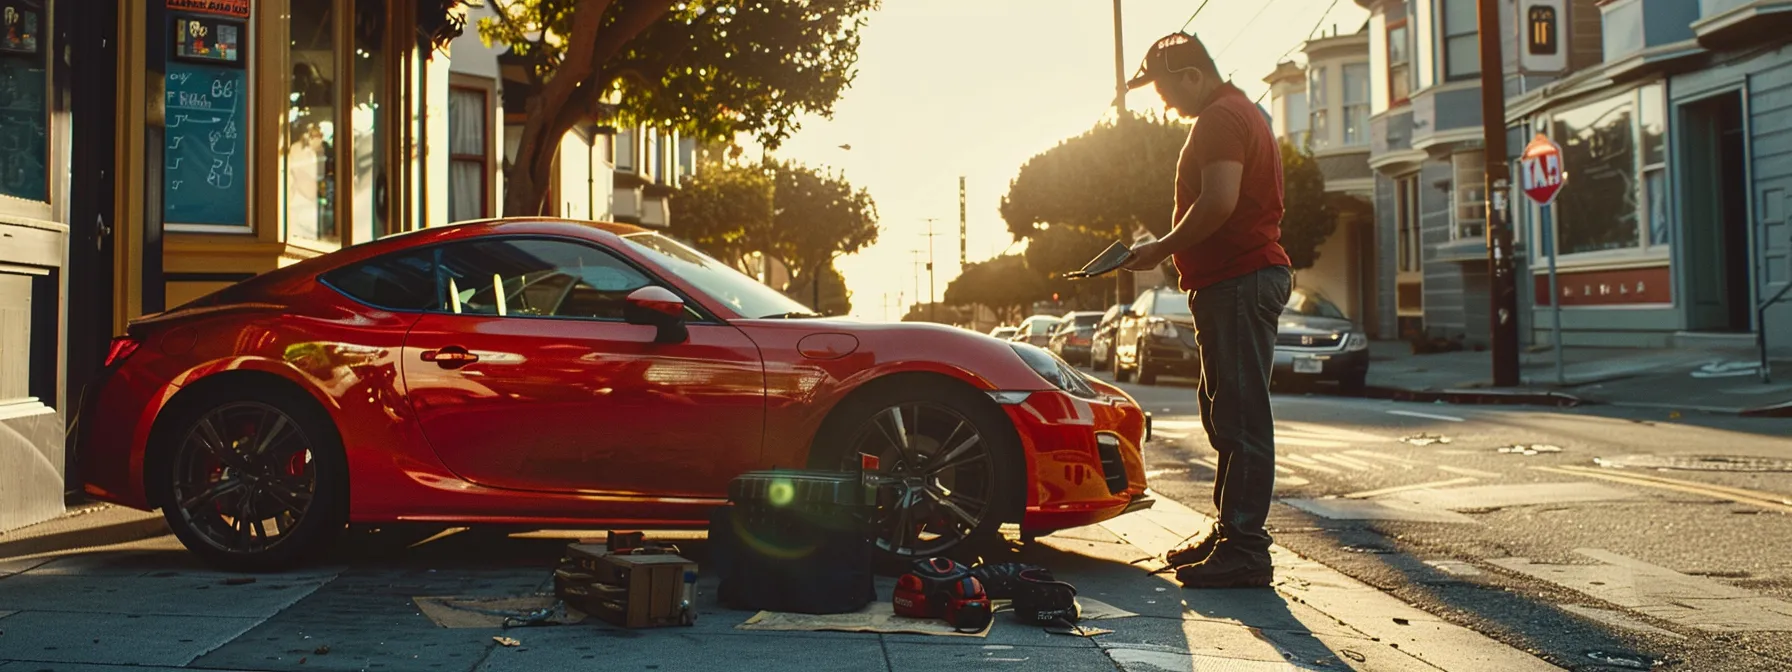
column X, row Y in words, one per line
column 1716, row 381
column 148, row 603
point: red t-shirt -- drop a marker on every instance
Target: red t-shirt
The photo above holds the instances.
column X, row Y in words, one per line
column 1232, row 128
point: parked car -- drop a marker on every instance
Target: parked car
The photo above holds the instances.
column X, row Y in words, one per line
column 1101, row 342
column 1070, row 339
column 1036, row 330
column 1003, row 333
column 1315, row 341
column 1156, row 335
column 533, row 372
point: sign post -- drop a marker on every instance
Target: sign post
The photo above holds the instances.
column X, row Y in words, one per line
column 1543, row 177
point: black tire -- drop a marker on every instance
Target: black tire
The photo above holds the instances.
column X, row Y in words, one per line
column 1147, row 372
column 937, row 418
column 1120, row 373
column 241, row 458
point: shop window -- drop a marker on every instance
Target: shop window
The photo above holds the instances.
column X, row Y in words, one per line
column 1599, row 209
column 1316, row 101
column 536, row 278
column 310, row 161
column 1356, row 104
column 1462, row 47
column 368, row 123
column 469, row 158
column 24, row 92
column 1400, row 74
column 1469, row 195
column 1406, row 224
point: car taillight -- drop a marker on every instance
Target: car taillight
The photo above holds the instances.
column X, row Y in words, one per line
column 121, row 349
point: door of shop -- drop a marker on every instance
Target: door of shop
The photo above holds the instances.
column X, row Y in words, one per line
column 1717, row 216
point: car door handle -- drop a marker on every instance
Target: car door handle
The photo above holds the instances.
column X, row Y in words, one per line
column 450, row 357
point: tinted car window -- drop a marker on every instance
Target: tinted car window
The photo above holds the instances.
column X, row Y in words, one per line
column 1302, row 303
column 1087, row 320
column 536, row 277
column 1170, row 303
column 402, row 281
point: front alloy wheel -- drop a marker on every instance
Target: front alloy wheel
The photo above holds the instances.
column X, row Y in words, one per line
column 939, row 477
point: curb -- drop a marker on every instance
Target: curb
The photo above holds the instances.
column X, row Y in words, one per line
column 1475, row 397
column 101, row 525
column 1779, row 410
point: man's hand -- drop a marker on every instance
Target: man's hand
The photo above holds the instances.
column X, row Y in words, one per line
column 1147, row 256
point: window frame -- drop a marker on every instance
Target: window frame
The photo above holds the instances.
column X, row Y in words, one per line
column 1405, row 66
column 1318, row 130
column 1457, row 190
column 1408, row 230
column 1446, row 37
column 1646, row 251
column 13, row 207
column 487, row 140
column 1362, row 107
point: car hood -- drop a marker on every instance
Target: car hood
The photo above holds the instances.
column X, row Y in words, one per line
column 1301, row 325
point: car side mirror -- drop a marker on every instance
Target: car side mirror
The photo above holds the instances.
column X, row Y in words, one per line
column 658, row 307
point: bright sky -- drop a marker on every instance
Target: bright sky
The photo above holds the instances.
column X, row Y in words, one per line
column 977, row 87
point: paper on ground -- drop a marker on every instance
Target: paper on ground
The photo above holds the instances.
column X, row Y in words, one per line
column 467, row 612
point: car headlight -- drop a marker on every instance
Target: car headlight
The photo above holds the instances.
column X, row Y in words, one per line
column 1162, row 329
column 1356, row 341
column 1055, row 371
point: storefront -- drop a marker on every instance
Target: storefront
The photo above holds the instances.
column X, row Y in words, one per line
column 154, row 151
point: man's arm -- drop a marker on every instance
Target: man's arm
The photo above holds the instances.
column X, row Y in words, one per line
column 1219, row 197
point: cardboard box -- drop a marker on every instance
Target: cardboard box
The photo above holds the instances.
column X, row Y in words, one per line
column 630, row 590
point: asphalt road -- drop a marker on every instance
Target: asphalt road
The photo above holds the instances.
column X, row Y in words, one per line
column 1553, row 547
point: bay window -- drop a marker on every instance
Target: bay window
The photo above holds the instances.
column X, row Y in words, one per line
column 1400, row 74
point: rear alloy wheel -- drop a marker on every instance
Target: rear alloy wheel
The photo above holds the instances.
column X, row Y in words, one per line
column 951, row 476
column 255, row 484
column 1120, row 372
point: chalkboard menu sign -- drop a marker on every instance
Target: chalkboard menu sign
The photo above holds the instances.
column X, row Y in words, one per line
column 205, row 111
column 23, row 109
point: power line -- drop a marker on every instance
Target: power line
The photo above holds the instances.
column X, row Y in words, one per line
column 1310, row 33
column 1191, row 17
column 1241, row 30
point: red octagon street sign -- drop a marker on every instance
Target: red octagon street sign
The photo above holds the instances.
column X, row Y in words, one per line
column 1541, row 168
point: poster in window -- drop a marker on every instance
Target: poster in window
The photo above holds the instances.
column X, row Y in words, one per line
column 18, row 27
column 206, row 40
column 235, row 8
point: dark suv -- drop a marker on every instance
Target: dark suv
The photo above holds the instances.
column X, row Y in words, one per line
column 1156, row 335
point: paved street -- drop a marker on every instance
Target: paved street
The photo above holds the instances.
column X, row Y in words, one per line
column 1539, row 546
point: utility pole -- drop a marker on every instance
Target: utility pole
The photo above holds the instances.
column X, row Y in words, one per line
column 1123, row 285
column 962, row 258
column 916, row 256
column 1501, row 274
column 931, row 307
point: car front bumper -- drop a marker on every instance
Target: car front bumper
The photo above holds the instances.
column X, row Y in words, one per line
column 1321, row 364
column 1083, row 458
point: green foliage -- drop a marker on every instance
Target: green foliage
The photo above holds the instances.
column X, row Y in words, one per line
column 1112, row 178
column 707, row 68
column 940, row 313
column 1004, row 284
column 834, row 299
column 725, row 209
column 1309, row 214
column 1054, row 251
column 816, row 217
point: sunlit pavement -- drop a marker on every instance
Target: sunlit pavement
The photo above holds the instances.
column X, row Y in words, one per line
column 148, row 605
column 1602, row 538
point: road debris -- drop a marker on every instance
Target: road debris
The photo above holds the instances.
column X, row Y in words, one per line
column 1425, row 439
column 1353, row 655
column 506, row 641
column 239, row 581
column 1402, row 621
column 1529, row 449
column 1635, row 661
column 322, row 650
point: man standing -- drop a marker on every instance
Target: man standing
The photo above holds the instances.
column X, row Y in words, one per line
column 1225, row 241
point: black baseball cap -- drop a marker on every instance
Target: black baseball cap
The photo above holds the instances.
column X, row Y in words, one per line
column 1172, row 53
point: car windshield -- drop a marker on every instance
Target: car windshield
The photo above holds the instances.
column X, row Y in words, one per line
column 741, row 293
column 1302, row 303
column 1171, row 303
column 1087, row 319
column 1041, row 327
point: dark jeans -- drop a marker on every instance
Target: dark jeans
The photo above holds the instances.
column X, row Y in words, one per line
column 1235, row 327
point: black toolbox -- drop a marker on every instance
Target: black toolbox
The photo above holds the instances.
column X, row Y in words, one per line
column 795, row 541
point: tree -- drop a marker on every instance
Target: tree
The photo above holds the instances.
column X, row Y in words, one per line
column 1309, row 214
column 816, row 218
column 725, row 209
column 1106, row 182
column 1004, row 284
column 707, row 68
column 1054, row 251
column 836, row 299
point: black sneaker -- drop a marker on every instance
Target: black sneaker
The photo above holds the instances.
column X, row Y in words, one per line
column 1228, row 568
column 1195, row 552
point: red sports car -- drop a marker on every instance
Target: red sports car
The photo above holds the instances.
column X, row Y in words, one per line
column 557, row 373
